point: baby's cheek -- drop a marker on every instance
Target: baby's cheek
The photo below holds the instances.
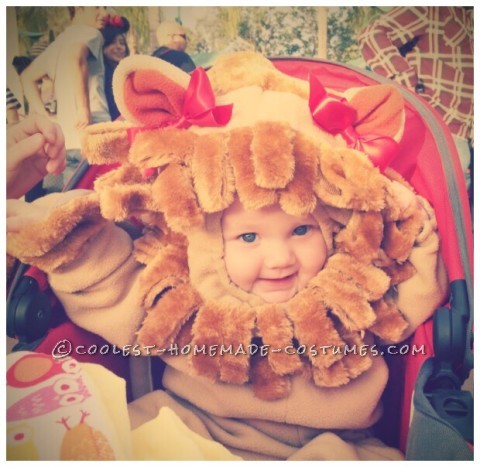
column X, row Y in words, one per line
column 315, row 258
column 239, row 268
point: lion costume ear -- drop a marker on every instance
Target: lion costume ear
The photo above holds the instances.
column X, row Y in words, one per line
column 149, row 91
column 379, row 110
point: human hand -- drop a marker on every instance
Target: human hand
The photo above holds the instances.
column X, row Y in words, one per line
column 35, row 148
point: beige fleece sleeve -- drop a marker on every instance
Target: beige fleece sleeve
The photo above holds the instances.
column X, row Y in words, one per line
column 89, row 262
column 419, row 296
column 99, row 288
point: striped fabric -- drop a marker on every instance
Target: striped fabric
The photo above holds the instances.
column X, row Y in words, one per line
column 441, row 58
column 39, row 46
column 12, row 102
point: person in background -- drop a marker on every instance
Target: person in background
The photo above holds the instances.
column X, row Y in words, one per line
column 46, row 87
column 115, row 48
column 74, row 61
column 430, row 51
column 13, row 104
column 172, row 41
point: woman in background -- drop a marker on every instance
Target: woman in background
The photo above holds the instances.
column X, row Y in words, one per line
column 115, row 48
column 74, row 63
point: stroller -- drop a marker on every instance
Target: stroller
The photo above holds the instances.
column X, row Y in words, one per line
column 442, row 424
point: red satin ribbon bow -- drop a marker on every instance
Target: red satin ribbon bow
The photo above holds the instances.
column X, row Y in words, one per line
column 337, row 116
column 332, row 114
column 198, row 109
column 380, row 149
column 199, row 105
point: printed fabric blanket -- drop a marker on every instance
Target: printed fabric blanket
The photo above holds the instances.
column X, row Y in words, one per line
column 60, row 409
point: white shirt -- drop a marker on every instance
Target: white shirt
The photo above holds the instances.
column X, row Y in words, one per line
column 62, row 76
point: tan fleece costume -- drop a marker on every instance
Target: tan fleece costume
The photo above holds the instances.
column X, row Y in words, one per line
column 183, row 164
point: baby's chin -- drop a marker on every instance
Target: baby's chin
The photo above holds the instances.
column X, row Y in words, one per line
column 278, row 296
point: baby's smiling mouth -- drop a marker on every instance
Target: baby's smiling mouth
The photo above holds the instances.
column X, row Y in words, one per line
column 278, row 283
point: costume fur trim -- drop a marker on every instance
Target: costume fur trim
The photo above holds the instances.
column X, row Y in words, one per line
column 105, row 143
column 41, row 237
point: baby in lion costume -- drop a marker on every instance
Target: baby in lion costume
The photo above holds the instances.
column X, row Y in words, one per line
column 274, row 239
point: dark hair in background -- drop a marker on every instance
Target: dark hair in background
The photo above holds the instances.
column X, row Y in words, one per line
column 116, row 25
column 20, row 63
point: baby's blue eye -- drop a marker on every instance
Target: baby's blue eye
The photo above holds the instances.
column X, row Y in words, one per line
column 301, row 230
column 248, row 237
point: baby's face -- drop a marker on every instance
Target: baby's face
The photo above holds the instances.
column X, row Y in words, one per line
column 270, row 253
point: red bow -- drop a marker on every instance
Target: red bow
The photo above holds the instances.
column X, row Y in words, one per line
column 115, row 21
column 198, row 109
column 380, row 149
column 337, row 116
column 199, row 105
column 332, row 114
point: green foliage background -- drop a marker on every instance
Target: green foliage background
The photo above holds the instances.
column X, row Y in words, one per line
column 35, row 22
column 270, row 30
column 343, row 26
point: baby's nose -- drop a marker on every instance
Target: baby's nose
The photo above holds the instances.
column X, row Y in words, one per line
column 278, row 254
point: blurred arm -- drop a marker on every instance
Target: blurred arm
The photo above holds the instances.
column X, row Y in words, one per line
column 76, row 61
column 30, row 78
